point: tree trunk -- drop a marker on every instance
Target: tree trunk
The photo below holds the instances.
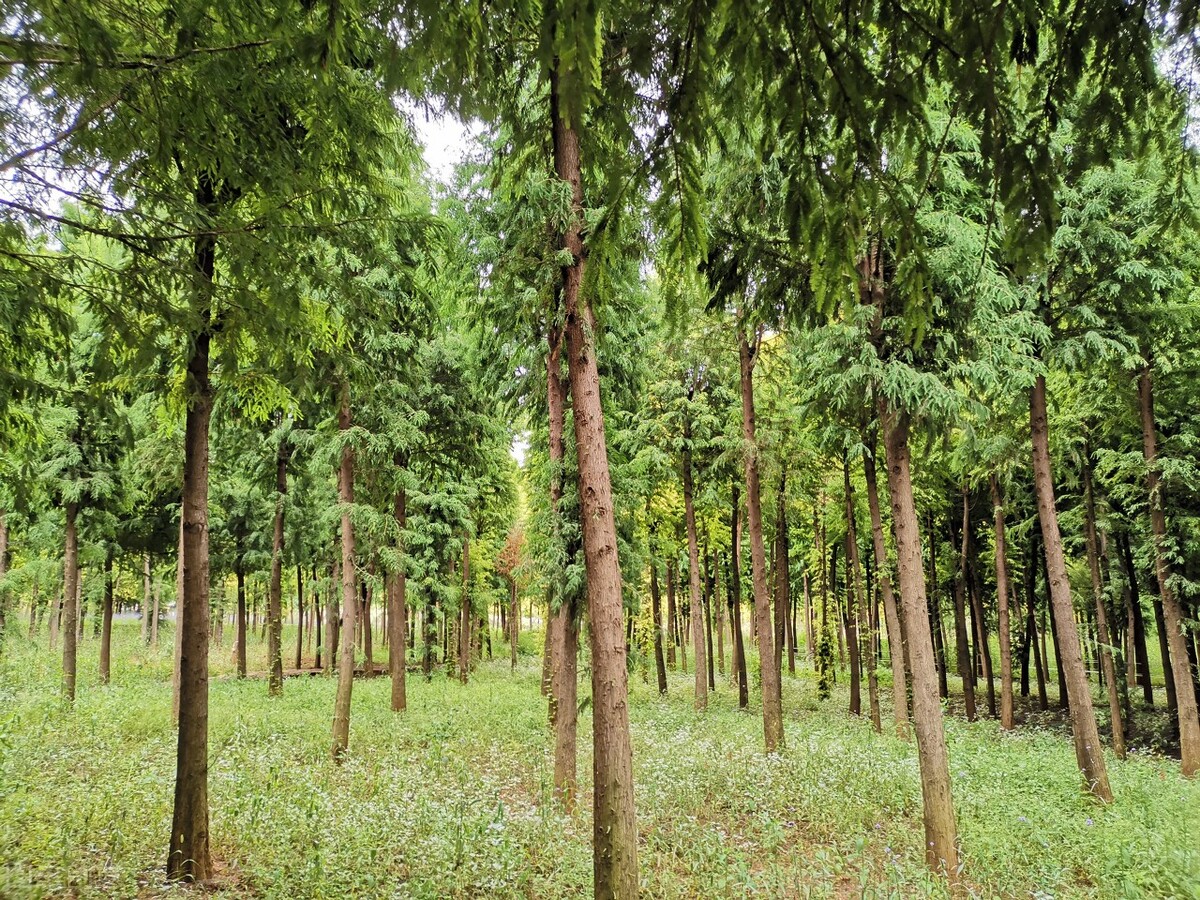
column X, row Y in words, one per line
column 146, row 598
column 242, row 623
column 1002, row 623
column 897, row 646
column 345, row 684
column 853, row 599
column 862, row 648
column 301, row 613
column 670, row 613
column 982, row 643
column 769, row 671
column 660, row 666
column 70, row 632
column 709, row 588
column 941, row 834
column 1104, row 641
column 157, row 612
column 696, row 609
column 188, row 856
column 1088, row 751
column 464, row 628
column 735, row 599
column 963, row 652
column 720, row 610
column 332, row 621
column 782, row 574
column 1133, row 602
column 398, row 611
column 275, row 598
column 1173, row 615
column 614, row 831
column 106, row 625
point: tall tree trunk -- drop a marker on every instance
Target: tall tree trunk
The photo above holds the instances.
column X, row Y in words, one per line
column 735, row 598
column 1002, row 623
column 1104, row 641
column 146, row 598
column 660, row 666
column 301, row 613
column 853, row 598
column 242, row 623
column 512, row 623
column 188, row 855
column 709, row 594
column 70, row 632
column 398, row 610
column 614, row 832
column 275, row 598
column 345, row 683
column 897, row 646
column 332, row 620
column 983, row 644
column 720, row 610
column 464, row 629
column 1133, row 602
column 1088, row 751
column 782, row 574
column 696, row 609
column 1173, row 615
column 768, row 669
column 157, row 612
column 670, row 613
column 935, row 616
column 965, row 671
column 106, row 625
column 941, row 833
column 862, row 648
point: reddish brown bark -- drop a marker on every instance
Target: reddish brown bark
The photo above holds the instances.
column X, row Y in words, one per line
column 398, row 611
column 1088, row 752
column 70, row 618
column 345, row 685
column 614, row 833
column 769, row 671
column 941, row 832
column 1173, row 617
column 897, row 647
column 1104, row 641
column 275, row 595
column 696, row 610
column 1002, row 620
column 188, row 856
column 107, row 618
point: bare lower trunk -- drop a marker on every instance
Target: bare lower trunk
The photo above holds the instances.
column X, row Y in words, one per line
column 941, row 833
column 897, row 647
column 566, row 714
column 614, row 832
column 301, row 614
column 1002, row 623
column 735, row 599
column 1133, row 601
column 464, row 627
column 106, row 624
column 70, row 625
column 398, row 611
column 660, row 665
column 965, row 671
column 178, row 623
column 242, row 629
column 146, row 598
column 345, row 683
column 1083, row 721
column 275, row 598
column 1173, row 616
column 188, row 857
column 769, row 671
column 1104, row 642
column 862, row 645
column 696, row 617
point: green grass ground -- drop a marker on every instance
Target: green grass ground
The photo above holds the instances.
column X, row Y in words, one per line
column 451, row 798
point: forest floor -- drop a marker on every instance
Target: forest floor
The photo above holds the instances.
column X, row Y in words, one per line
column 452, row 798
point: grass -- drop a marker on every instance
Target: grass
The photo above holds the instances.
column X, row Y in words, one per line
column 452, row 798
